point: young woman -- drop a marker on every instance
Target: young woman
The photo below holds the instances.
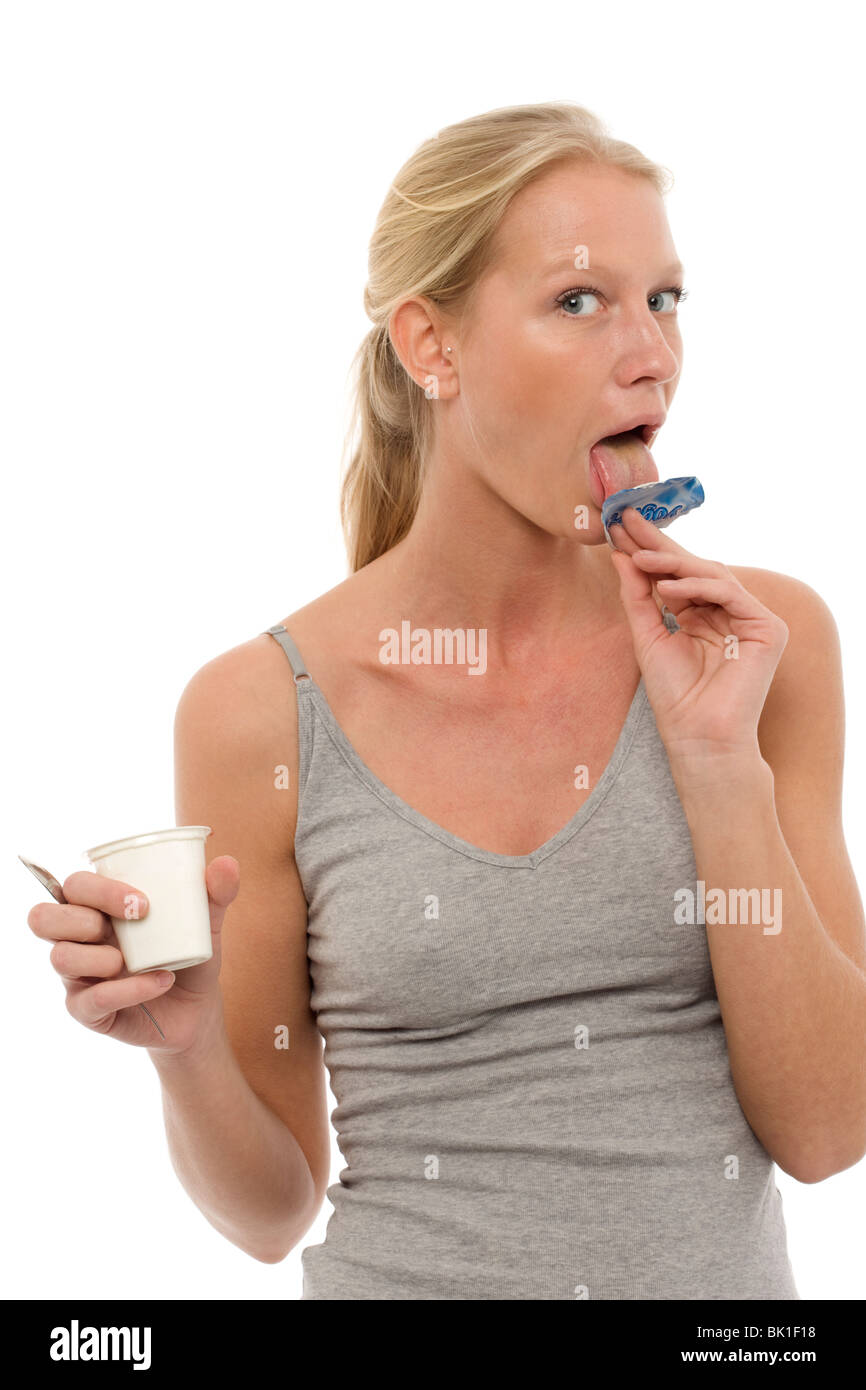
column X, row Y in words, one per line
column 508, row 888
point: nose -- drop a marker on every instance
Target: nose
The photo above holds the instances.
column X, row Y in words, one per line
column 646, row 350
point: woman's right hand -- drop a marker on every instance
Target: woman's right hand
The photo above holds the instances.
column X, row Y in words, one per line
column 100, row 992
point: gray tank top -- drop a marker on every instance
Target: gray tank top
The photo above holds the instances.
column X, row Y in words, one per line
column 534, row 1098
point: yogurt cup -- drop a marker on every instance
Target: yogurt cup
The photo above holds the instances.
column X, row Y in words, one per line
column 169, row 868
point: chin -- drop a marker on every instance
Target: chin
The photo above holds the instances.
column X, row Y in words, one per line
column 586, row 525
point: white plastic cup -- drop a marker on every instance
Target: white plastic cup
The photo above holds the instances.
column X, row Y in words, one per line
column 169, row 868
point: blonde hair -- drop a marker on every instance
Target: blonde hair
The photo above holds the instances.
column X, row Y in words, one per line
column 433, row 237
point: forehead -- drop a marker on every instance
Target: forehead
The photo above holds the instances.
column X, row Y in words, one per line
column 608, row 210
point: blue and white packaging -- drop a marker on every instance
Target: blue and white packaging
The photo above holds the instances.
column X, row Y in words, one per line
column 660, row 502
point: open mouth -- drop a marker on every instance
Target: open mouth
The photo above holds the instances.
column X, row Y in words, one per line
column 645, row 433
column 623, row 460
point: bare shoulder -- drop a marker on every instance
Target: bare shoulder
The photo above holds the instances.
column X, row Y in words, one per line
column 236, row 765
column 801, row 734
column 806, row 693
column 335, row 633
column 231, row 685
column 813, row 637
column 236, row 724
column 235, row 716
column 794, row 601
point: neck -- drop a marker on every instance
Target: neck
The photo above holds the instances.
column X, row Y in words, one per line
column 471, row 561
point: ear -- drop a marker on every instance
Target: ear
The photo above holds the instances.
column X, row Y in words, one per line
column 418, row 339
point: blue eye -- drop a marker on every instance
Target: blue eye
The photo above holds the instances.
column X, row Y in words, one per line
column 581, row 297
column 676, row 293
column 584, row 301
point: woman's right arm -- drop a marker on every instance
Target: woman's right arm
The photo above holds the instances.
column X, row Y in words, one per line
column 241, row 1062
column 246, row 1105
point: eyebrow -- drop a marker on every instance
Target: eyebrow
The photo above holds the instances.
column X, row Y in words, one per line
column 675, row 271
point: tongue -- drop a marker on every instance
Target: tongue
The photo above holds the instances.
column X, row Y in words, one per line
column 623, row 460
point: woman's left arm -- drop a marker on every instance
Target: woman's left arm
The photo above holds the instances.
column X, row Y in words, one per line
column 748, row 699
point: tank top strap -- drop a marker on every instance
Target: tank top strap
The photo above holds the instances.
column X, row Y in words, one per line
column 303, row 682
column 289, row 646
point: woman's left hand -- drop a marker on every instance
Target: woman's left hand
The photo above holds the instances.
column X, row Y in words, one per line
column 708, row 682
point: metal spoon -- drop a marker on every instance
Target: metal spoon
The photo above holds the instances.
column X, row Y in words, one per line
column 50, row 882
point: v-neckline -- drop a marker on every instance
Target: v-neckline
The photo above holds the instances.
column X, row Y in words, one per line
column 447, row 837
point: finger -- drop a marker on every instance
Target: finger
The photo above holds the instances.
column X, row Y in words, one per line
column 96, row 1005
column 622, row 540
column 676, row 563
column 657, row 599
column 659, row 565
column 650, row 537
column 727, row 593
column 66, row 922
column 222, row 877
column 73, row 961
column 642, row 606
column 663, row 558
column 109, row 895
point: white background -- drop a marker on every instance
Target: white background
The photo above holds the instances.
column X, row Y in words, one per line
column 189, row 190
